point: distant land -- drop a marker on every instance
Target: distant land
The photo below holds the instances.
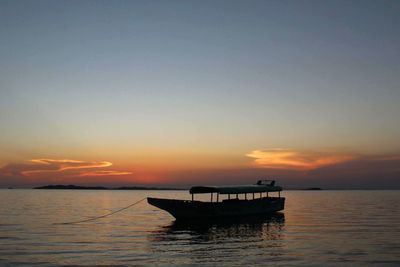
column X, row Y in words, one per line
column 77, row 187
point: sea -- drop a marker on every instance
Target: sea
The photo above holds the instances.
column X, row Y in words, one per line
column 317, row 228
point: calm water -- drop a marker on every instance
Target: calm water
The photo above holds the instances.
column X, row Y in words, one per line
column 338, row 228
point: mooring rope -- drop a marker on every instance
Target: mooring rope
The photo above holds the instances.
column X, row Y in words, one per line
column 105, row 215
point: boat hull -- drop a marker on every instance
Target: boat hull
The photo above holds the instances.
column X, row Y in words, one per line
column 193, row 210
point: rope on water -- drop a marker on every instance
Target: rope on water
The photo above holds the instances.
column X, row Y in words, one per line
column 102, row 216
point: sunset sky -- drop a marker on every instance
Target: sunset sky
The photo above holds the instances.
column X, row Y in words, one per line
column 180, row 93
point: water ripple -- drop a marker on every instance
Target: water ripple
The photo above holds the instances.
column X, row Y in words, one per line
column 326, row 228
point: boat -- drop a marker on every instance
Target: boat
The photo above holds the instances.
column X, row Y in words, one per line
column 230, row 201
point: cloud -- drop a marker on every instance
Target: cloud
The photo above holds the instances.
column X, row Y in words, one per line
column 329, row 169
column 59, row 167
column 292, row 159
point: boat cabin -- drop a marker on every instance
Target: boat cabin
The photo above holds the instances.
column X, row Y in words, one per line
column 255, row 190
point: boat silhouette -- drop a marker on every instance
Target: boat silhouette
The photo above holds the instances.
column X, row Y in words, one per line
column 256, row 202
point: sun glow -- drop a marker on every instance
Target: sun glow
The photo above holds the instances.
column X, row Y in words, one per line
column 104, row 173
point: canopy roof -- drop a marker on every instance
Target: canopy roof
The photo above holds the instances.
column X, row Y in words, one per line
column 236, row 189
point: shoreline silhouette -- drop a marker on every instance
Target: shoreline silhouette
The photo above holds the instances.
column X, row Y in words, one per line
column 78, row 187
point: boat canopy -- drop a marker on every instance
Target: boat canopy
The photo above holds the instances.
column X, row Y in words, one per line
column 237, row 189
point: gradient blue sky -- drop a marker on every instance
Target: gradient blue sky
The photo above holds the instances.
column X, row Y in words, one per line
column 188, row 85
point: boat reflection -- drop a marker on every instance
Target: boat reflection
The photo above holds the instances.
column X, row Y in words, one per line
column 260, row 227
column 225, row 242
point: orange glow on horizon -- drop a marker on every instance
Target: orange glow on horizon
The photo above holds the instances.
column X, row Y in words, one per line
column 104, row 173
column 283, row 163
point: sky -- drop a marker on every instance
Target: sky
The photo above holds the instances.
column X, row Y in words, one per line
column 200, row 92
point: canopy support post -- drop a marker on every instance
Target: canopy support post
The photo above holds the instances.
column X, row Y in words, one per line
column 212, row 197
column 229, row 196
column 253, row 195
column 279, row 194
column 192, row 197
column 217, row 197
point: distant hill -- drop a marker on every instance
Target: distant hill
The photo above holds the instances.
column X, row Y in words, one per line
column 59, row 186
